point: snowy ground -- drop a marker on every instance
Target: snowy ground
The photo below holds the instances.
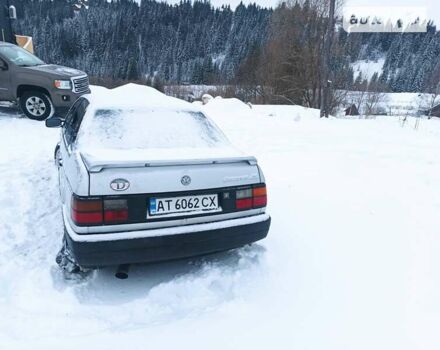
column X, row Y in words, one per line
column 351, row 261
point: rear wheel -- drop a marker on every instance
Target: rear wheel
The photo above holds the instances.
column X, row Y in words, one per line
column 68, row 264
column 36, row 105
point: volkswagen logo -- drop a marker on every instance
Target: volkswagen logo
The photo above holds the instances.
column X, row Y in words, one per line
column 185, row 180
column 119, row 185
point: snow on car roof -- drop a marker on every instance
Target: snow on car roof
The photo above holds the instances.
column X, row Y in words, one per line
column 134, row 95
column 134, row 117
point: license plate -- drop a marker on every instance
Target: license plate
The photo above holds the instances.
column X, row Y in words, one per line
column 188, row 205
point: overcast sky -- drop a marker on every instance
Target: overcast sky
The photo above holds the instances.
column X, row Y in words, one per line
column 433, row 6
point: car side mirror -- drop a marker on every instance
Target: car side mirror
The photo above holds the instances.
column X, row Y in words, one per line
column 54, row 122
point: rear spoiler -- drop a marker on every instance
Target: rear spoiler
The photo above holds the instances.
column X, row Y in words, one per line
column 95, row 166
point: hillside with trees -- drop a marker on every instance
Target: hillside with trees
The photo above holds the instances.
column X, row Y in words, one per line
column 271, row 55
column 188, row 42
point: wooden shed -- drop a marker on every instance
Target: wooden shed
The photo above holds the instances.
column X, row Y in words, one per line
column 352, row 110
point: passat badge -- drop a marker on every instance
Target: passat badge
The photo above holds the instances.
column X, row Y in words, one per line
column 185, row 180
column 119, row 185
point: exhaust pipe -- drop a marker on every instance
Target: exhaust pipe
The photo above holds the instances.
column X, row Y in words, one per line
column 122, row 271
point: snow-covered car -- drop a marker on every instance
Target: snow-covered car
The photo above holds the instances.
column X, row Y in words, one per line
column 145, row 177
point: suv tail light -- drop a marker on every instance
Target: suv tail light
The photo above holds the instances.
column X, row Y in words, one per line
column 251, row 198
column 95, row 211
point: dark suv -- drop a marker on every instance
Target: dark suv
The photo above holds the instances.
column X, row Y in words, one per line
column 39, row 88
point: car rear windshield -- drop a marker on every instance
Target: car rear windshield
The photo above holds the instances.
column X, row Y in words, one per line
column 20, row 56
column 150, row 128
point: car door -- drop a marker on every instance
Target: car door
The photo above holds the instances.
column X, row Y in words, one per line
column 68, row 170
column 5, row 81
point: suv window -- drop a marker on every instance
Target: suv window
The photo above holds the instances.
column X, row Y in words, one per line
column 73, row 120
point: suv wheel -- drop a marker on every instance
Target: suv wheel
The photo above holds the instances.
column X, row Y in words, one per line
column 36, row 105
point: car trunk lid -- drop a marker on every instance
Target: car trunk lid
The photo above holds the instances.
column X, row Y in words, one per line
column 161, row 171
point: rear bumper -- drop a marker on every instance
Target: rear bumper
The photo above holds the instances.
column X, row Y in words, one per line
column 173, row 243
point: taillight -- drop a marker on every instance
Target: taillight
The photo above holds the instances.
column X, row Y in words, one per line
column 115, row 211
column 251, row 198
column 87, row 211
column 247, row 193
column 243, row 203
column 95, row 211
column 259, row 196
